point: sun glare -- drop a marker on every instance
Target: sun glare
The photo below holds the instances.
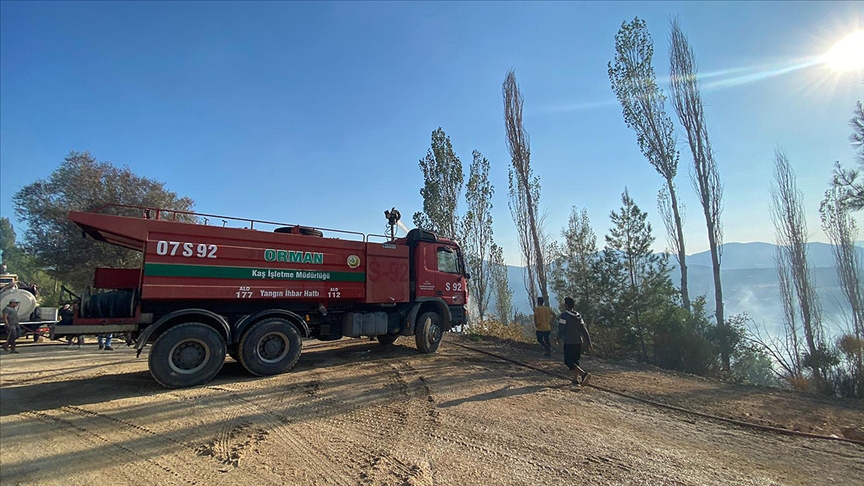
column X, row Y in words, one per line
column 848, row 54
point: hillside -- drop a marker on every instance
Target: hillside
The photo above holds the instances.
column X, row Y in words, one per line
column 749, row 282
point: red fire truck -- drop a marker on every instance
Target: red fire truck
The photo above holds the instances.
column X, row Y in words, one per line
column 257, row 290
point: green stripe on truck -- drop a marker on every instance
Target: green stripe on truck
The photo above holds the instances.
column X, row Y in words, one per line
column 248, row 273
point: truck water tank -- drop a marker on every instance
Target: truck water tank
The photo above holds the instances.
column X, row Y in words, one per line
column 27, row 302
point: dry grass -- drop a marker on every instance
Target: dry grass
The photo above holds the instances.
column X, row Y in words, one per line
column 799, row 383
column 514, row 332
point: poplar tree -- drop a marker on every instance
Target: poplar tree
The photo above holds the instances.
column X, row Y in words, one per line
column 477, row 233
column 687, row 100
column 643, row 103
column 524, row 189
column 442, row 188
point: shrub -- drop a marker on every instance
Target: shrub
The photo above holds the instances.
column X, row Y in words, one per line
column 494, row 328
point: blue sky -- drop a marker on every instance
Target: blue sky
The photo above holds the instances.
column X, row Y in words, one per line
column 318, row 113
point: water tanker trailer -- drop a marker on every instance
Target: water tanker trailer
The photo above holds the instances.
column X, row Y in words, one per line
column 256, row 291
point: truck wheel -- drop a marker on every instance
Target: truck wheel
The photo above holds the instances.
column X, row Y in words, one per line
column 271, row 347
column 428, row 333
column 387, row 339
column 187, row 355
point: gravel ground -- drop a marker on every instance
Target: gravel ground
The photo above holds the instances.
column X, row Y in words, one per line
column 355, row 412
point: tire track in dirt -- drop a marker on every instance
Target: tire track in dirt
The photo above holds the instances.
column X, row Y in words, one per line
column 236, row 435
column 234, row 438
column 72, row 409
column 363, row 436
column 161, row 441
column 223, row 441
column 472, row 436
column 387, row 423
column 417, row 415
column 97, row 439
column 285, row 439
column 338, row 424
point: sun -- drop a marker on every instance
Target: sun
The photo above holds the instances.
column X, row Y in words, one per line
column 848, row 54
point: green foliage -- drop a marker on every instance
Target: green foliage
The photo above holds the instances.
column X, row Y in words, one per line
column 500, row 285
column 442, row 187
column 642, row 101
column 750, row 363
column 680, row 341
column 10, row 255
column 477, row 233
column 847, row 378
column 632, row 307
column 822, row 359
column 574, row 268
column 642, row 275
column 17, row 261
column 752, row 366
column 81, row 183
column 850, row 182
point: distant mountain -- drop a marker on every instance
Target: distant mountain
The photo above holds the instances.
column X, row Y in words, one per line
column 737, row 256
column 749, row 282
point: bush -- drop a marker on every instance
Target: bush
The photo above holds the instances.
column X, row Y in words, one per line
column 752, row 366
column 846, row 377
column 611, row 342
column 494, row 328
column 685, row 342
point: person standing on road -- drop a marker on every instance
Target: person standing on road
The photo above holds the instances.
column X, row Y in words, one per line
column 66, row 319
column 543, row 316
column 13, row 329
column 571, row 328
column 107, row 343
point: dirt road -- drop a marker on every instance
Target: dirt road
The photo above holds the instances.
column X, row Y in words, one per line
column 356, row 412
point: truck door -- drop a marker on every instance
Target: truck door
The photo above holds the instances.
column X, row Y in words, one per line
column 449, row 282
column 439, row 273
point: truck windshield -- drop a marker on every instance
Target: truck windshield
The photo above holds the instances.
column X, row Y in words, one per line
column 448, row 261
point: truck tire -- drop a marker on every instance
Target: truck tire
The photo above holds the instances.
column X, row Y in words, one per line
column 270, row 347
column 428, row 333
column 187, row 355
column 387, row 339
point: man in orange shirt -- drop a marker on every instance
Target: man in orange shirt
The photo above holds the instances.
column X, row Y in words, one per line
column 543, row 316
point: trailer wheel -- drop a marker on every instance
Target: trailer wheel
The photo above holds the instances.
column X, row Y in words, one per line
column 387, row 339
column 271, row 347
column 428, row 334
column 187, row 355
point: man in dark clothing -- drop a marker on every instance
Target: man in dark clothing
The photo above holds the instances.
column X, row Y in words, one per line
column 10, row 321
column 572, row 330
column 67, row 315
